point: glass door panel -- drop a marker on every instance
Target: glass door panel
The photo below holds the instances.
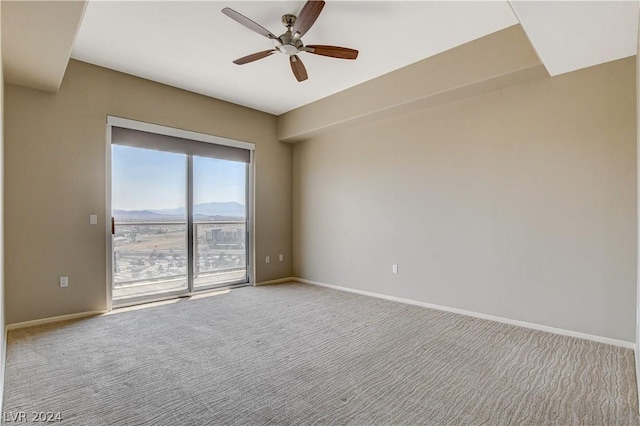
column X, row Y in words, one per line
column 219, row 222
column 149, row 193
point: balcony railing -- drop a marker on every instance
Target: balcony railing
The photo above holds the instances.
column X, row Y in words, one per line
column 151, row 257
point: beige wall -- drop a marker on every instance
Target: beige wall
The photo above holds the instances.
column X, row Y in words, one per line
column 55, row 177
column 500, row 59
column 637, row 351
column 519, row 203
column 3, row 343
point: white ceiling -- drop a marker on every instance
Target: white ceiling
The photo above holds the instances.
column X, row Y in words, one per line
column 191, row 45
column 578, row 34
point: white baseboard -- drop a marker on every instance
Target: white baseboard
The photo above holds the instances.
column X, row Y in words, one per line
column 636, row 357
column 533, row 326
column 42, row 321
column 530, row 325
column 3, row 364
column 278, row 281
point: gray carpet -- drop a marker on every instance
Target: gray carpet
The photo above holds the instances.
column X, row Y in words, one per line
column 296, row 354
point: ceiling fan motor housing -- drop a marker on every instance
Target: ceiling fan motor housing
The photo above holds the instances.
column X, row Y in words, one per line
column 288, row 45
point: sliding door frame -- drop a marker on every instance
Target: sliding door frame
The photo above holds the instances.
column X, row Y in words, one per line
column 189, row 210
column 107, row 221
column 113, row 121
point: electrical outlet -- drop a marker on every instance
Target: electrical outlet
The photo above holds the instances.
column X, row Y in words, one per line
column 281, row 257
column 93, row 219
column 394, row 269
column 267, row 259
column 64, row 281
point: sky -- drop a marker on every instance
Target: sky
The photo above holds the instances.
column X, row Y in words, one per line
column 144, row 179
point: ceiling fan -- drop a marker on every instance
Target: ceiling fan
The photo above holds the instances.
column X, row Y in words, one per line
column 290, row 43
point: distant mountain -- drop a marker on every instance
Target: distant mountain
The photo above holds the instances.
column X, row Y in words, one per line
column 138, row 215
column 227, row 209
column 218, row 210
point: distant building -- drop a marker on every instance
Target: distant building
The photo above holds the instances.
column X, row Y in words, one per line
column 227, row 237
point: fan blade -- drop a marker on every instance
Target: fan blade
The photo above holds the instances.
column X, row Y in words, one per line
column 307, row 17
column 298, row 68
column 254, row 57
column 333, row 51
column 243, row 20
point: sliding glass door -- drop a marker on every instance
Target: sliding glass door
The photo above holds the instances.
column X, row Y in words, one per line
column 219, row 221
column 149, row 195
column 179, row 216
